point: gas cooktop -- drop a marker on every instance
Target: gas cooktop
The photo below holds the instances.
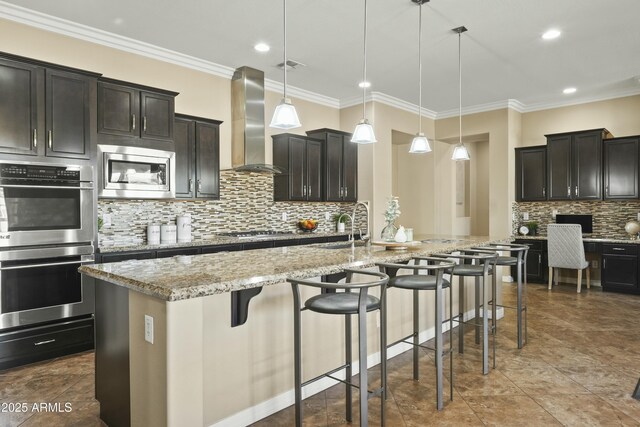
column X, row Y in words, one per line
column 256, row 233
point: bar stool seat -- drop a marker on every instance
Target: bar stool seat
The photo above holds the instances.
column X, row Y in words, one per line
column 467, row 270
column 415, row 281
column 340, row 303
column 507, row 260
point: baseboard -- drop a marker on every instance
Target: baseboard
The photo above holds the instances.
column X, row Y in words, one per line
column 286, row 399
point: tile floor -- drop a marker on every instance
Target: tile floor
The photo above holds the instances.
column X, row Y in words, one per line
column 580, row 367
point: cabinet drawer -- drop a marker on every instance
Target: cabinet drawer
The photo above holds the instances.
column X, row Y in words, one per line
column 20, row 347
column 614, row 249
column 538, row 245
column 166, row 253
column 125, row 256
column 285, row 242
column 257, row 245
column 221, row 248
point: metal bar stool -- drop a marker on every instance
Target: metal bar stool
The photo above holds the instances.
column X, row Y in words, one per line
column 421, row 282
column 343, row 303
column 520, row 262
column 476, row 263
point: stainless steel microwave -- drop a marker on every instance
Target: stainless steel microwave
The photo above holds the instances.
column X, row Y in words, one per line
column 135, row 173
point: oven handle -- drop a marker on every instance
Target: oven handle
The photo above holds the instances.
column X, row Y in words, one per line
column 49, row 264
column 48, row 187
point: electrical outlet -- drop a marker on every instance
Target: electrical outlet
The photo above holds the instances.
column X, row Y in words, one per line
column 327, row 216
column 148, row 329
column 594, row 264
column 638, row 216
column 106, row 220
column 285, row 216
column 554, row 213
column 525, row 216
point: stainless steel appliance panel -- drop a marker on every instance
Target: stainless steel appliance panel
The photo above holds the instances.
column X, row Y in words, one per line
column 43, row 284
column 135, row 173
column 42, row 204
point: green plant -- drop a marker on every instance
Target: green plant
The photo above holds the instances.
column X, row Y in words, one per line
column 340, row 219
column 532, row 226
column 100, row 223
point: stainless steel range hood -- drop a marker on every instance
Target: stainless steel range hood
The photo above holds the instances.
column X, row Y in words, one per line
column 247, row 121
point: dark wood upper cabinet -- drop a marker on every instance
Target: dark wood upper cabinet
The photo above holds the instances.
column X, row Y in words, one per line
column 620, row 170
column 19, row 108
column 302, row 157
column 341, row 165
column 132, row 113
column 68, row 110
column 46, row 109
column 574, row 165
column 207, row 160
column 197, row 146
column 531, row 174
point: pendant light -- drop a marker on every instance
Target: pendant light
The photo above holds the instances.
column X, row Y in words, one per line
column 420, row 143
column 363, row 134
column 460, row 152
column 285, row 115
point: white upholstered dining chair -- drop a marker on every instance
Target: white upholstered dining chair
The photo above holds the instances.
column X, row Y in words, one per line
column 566, row 250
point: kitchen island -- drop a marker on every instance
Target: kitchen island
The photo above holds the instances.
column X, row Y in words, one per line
column 198, row 369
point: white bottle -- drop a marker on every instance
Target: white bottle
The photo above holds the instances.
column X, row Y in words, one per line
column 167, row 233
column 184, row 228
column 401, row 235
column 153, row 234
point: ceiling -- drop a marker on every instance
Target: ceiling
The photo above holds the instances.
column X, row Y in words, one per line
column 503, row 54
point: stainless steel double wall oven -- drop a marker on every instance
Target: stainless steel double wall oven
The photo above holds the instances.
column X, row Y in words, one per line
column 47, row 220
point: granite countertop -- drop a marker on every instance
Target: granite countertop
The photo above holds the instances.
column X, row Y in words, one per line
column 183, row 277
column 586, row 239
column 218, row 240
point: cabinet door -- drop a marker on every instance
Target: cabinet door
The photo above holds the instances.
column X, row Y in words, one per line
column 117, row 257
column 349, row 170
column 531, row 174
column 185, row 157
column 207, row 161
column 118, row 110
column 559, row 167
column 587, row 166
column 297, row 168
column 168, row 253
column 157, row 113
column 19, row 108
column 314, row 171
column 67, row 112
column 334, row 187
column 621, row 169
column 619, row 271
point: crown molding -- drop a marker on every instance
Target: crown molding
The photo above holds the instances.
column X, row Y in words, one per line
column 72, row 29
column 482, row 108
column 623, row 93
column 387, row 100
column 306, row 95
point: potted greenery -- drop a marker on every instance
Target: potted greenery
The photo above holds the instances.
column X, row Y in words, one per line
column 340, row 220
column 533, row 227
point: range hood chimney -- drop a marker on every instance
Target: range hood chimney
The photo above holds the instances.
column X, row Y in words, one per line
column 247, row 121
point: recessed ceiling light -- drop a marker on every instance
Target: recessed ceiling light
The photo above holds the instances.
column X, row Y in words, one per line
column 569, row 90
column 262, row 47
column 551, row 34
column 364, row 84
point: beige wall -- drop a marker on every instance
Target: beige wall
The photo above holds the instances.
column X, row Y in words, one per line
column 621, row 116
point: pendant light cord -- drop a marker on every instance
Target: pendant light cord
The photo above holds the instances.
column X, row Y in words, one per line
column 284, row 2
column 364, row 66
column 460, row 85
column 420, row 71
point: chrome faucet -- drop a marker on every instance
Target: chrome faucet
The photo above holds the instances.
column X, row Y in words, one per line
column 351, row 238
column 364, row 237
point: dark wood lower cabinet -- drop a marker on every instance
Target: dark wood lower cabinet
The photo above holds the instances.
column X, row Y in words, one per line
column 620, row 268
column 22, row 346
column 537, row 267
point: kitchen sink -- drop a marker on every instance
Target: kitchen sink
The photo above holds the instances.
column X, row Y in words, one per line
column 443, row 240
column 342, row 245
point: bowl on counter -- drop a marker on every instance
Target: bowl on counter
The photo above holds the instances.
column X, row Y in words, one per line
column 308, row 225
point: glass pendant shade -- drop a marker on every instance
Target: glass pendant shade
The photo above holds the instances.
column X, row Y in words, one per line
column 363, row 134
column 460, row 152
column 420, row 144
column 285, row 116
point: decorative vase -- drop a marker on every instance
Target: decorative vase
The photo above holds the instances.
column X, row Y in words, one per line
column 401, row 235
column 389, row 232
column 341, row 227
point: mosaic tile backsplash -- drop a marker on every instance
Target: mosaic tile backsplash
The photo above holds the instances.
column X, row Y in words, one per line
column 246, row 203
column 609, row 218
